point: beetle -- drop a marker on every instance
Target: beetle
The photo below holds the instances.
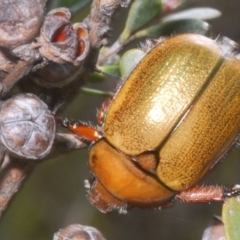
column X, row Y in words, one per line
column 175, row 115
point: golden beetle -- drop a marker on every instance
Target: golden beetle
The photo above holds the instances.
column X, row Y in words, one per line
column 171, row 120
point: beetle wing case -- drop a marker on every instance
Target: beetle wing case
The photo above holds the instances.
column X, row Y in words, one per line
column 159, row 91
column 206, row 133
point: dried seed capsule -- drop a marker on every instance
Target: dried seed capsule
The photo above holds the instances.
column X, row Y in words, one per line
column 78, row 232
column 27, row 126
column 64, row 45
column 60, row 41
column 20, row 21
column 6, row 63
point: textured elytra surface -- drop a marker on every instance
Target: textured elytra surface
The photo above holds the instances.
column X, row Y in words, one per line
column 27, row 126
column 159, row 91
column 206, row 133
column 175, row 101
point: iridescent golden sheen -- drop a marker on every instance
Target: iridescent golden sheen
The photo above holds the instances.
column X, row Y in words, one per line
column 206, row 133
column 159, row 91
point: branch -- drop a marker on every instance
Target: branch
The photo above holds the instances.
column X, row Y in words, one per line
column 98, row 23
column 12, row 177
column 16, row 170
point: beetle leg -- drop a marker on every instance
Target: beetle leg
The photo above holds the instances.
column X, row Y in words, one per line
column 102, row 199
column 71, row 140
column 101, row 111
column 202, row 194
column 208, row 194
column 232, row 192
column 84, row 131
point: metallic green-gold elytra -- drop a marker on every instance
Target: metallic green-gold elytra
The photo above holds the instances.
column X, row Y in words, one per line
column 159, row 92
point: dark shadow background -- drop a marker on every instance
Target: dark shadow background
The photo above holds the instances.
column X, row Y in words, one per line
column 54, row 196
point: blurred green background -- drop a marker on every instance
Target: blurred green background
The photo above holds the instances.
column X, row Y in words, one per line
column 54, row 196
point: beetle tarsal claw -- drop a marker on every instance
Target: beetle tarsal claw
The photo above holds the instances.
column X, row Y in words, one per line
column 66, row 122
column 232, row 192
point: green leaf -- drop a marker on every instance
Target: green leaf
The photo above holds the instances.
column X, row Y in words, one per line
column 129, row 60
column 231, row 218
column 175, row 27
column 96, row 92
column 141, row 12
column 112, row 70
column 198, row 13
column 74, row 5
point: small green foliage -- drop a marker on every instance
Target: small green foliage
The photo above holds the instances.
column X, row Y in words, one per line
column 231, row 218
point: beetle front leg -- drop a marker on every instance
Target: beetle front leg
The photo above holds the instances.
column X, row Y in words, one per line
column 70, row 140
column 102, row 110
column 85, row 131
column 208, row 194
